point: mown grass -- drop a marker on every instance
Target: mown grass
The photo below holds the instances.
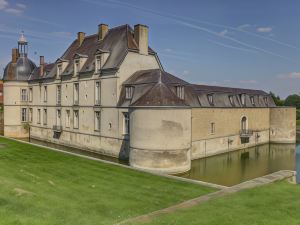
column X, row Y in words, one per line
column 39, row 186
column 275, row 204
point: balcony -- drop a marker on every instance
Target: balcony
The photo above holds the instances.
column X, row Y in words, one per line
column 246, row 133
column 57, row 128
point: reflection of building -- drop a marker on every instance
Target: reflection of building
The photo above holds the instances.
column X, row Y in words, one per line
column 108, row 93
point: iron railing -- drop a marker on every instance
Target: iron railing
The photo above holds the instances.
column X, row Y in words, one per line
column 57, row 128
column 246, row 133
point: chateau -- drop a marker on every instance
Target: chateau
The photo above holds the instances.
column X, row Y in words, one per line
column 108, row 93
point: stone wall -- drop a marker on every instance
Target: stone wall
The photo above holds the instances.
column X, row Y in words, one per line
column 283, row 125
column 227, row 127
column 160, row 139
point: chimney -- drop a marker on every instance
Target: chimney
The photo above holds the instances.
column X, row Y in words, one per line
column 102, row 31
column 14, row 55
column 80, row 37
column 141, row 38
column 42, row 65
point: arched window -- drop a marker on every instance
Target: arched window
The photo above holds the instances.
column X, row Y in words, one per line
column 244, row 123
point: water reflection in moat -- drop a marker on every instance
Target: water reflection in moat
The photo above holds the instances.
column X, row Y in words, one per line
column 238, row 166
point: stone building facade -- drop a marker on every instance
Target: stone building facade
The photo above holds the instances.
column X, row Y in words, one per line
column 108, row 93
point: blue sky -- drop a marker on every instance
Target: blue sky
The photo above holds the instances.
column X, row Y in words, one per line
column 249, row 44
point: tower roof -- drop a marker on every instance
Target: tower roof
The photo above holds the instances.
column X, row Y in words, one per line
column 22, row 39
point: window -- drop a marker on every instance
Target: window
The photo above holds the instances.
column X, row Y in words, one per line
column 97, row 93
column 126, row 127
column 76, row 94
column 266, row 100
column 231, row 100
column 39, row 116
column 243, row 99
column 58, row 94
column 98, row 64
column 76, row 119
column 252, row 100
column 30, row 115
column 68, row 118
column 23, row 95
column 180, row 92
column 45, row 117
column 128, row 92
column 30, row 94
column 210, row 99
column 97, row 121
column 58, row 117
column 45, row 94
column 244, row 124
column 212, row 128
column 59, row 70
column 24, row 115
column 76, row 67
column 40, row 88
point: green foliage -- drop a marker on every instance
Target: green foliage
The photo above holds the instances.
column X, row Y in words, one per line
column 277, row 99
column 39, row 186
column 274, row 204
column 293, row 100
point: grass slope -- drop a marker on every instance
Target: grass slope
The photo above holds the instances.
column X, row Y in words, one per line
column 38, row 186
column 274, row 204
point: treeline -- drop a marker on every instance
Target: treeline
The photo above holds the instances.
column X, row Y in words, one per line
column 291, row 100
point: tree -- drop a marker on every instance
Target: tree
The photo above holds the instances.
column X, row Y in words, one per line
column 293, row 100
column 277, row 99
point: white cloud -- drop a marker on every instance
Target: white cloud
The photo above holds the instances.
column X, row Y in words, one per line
column 223, row 33
column 293, row 75
column 243, row 26
column 264, row 29
column 18, row 9
column 3, row 4
column 247, row 81
column 22, row 6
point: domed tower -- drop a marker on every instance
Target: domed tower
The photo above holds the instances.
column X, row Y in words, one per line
column 15, row 89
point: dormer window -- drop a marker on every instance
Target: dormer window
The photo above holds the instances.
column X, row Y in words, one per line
column 252, row 100
column 180, row 92
column 231, row 100
column 98, row 64
column 59, row 70
column 76, row 67
column 128, row 92
column 243, row 99
column 210, row 99
column 266, row 100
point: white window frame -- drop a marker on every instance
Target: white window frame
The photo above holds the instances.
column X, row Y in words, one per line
column 231, row 100
column 180, row 92
column 243, row 99
column 24, row 96
column 97, row 63
column 30, row 94
column 97, row 92
column 59, row 69
column 58, row 94
column 266, row 100
column 76, row 67
column 210, row 99
column 128, row 92
column 58, row 117
column 252, row 100
column 24, row 115
column 76, row 93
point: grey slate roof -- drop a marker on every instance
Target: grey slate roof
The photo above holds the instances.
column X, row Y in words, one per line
column 158, row 88
column 20, row 70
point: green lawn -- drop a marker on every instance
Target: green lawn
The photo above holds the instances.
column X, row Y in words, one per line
column 274, row 204
column 39, row 186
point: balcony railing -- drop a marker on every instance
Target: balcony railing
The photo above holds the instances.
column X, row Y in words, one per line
column 246, row 133
column 57, row 128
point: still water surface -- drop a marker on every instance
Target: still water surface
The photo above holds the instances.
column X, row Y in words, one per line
column 238, row 166
column 229, row 168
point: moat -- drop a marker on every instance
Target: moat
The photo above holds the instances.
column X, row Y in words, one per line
column 228, row 168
